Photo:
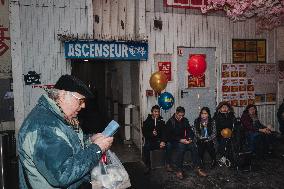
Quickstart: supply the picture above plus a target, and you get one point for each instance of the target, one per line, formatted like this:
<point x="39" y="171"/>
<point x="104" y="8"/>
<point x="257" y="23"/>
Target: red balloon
<point x="196" y="65"/>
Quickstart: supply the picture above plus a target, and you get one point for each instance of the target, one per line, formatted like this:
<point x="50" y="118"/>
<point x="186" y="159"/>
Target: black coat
<point x="177" y="130"/>
<point x="149" y="126"/>
<point x="224" y="120"/>
<point x="279" y="115"/>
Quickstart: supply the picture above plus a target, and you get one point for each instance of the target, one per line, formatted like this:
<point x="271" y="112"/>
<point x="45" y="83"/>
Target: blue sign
<point x="106" y="50"/>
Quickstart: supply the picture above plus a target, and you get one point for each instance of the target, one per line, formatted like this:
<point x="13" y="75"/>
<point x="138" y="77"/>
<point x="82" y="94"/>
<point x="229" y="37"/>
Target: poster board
<point x="249" y="50"/>
<point x="244" y="84"/>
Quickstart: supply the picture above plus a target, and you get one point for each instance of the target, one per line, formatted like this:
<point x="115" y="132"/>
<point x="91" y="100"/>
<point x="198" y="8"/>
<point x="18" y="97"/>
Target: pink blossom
<point x="268" y="13"/>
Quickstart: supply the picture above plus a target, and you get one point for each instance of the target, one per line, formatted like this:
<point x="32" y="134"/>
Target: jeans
<point x="180" y="150"/>
<point x="149" y="146"/>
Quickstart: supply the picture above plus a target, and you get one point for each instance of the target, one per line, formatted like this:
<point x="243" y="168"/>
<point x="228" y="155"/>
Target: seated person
<point x="180" y="136"/>
<point x="205" y="132"/>
<point x="280" y="117"/>
<point x="224" y="119"/>
<point x="259" y="136"/>
<point x="153" y="130"/>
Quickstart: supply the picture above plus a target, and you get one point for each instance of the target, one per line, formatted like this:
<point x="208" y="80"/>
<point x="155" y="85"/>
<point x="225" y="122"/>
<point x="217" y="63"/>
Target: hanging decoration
<point x="166" y="100"/>
<point x="269" y="13"/>
<point x="158" y="81"/>
<point x="196" y="65"/>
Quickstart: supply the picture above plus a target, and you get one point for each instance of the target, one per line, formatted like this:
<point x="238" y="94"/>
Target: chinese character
<point x="132" y="50"/>
<point x="141" y="50"/>
<point x="3" y="46"/>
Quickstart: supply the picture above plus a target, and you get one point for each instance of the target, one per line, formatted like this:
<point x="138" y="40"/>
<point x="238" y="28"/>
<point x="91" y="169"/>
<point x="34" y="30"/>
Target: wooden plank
<point x="89" y="5"/>
<point x="122" y="18"/>
<point x="106" y="19"/>
<point x="114" y="18"/>
<point x="130" y="19"/>
<point x="98" y="15"/>
<point x="150" y="5"/>
<point x="17" y="67"/>
<point x="141" y="18"/>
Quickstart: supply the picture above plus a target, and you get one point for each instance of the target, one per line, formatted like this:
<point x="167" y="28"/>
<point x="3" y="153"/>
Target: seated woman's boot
<point x="179" y="175"/>
<point x="200" y="172"/>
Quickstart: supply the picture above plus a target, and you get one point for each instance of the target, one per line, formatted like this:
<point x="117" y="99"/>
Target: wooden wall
<point x="181" y="28"/>
<point x="35" y="46"/>
<point x="35" y="25"/>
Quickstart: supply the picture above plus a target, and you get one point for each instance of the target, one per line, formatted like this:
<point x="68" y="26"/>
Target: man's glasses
<point x="81" y="100"/>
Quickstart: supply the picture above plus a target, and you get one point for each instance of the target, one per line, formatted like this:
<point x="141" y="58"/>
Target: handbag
<point x="110" y="174"/>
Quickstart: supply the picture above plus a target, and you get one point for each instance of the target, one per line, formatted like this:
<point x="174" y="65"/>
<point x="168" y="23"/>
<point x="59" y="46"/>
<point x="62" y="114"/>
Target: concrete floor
<point x="268" y="173"/>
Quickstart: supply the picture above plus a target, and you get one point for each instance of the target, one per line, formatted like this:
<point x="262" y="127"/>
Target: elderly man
<point x="53" y="151"/>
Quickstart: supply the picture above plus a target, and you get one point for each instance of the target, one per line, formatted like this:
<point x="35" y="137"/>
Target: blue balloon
<point x="166" y="100"/>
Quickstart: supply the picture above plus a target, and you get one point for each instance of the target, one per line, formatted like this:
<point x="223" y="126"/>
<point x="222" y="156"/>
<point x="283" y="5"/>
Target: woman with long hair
<point x="258" y="135"/>
<point x="205" y="132"/>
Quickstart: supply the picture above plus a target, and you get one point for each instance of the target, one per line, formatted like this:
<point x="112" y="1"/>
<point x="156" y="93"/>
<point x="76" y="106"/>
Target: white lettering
<point x="106" y="50"/>
<point x="92" y="49"/>
<point x="111" y="50"/>
<point x="124" y="50"/>
<point x="78" y="50"/>
<point x="98" y="50"/>
<point x="117" y="50"/>
<point x="70" y="50"/>
<point x="84" y="51"/>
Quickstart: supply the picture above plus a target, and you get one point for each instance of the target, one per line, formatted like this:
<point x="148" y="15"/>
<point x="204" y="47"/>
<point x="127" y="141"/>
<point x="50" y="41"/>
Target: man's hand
<point x="103" y="142"/>
<point x="96" y="136"/>
<point x="185" y="141"/>
<point x="162" y="144"/>
<point x="265" y="131"/>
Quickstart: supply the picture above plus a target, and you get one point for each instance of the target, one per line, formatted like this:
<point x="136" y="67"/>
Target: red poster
<point x="166" y="67"/>
<point x="196" y="81"/>
<point x="187" y="4"/>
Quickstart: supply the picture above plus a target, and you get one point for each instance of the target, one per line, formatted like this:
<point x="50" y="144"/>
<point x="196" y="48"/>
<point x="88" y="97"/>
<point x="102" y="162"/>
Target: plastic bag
<point x="110" y="175"/>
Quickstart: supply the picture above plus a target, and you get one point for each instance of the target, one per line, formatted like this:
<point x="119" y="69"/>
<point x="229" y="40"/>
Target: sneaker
<point x="201" y="173"/>
<point x="169" y="168"/>
<point x="179" y="175"/>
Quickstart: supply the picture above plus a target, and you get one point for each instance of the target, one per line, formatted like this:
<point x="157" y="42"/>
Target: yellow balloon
<point x="226" y="133"/>
<point x="158" y="81"/>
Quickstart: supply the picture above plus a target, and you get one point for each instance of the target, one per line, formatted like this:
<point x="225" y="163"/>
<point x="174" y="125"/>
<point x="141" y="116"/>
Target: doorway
<point x="116" y="88"/>
<point x="193" y="98"/>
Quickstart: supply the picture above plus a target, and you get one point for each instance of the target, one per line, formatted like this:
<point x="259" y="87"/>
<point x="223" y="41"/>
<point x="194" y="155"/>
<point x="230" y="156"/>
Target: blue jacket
<point x="52" y="155"/>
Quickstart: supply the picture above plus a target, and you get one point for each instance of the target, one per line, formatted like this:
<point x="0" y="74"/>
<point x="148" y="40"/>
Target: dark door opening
<point x="93" y="118"/>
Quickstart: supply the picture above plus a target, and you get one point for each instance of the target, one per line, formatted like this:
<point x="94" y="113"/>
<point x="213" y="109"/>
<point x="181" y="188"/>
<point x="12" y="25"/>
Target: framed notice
<point x="166" y="67"/>
<point x="249" y="50"/>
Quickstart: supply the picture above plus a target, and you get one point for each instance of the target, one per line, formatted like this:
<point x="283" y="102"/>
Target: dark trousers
<point x="225" y="148"/>
<point x="206" y="146"/>
<point x="180" y="150"/>
<point x="149" y="146"/>
<point x="260" y="143"/>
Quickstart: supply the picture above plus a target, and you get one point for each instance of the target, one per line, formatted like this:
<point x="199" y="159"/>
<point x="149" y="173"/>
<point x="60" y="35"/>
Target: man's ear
<point x="61" y="95"/>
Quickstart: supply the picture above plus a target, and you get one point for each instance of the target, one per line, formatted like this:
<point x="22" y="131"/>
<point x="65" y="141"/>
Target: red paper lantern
<point x="196" y="65"/>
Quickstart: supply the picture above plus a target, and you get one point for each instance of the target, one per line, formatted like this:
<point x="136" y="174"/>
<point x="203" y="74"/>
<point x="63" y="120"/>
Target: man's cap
<point x="73" y="84"/>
